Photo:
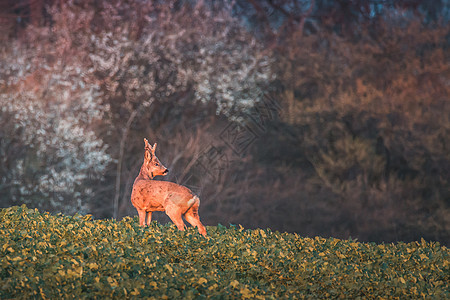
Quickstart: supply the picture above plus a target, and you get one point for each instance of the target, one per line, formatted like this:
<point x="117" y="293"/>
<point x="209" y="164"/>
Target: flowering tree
<point x="190" y="49"/>
<point x="50" y="153"/>
<point x="100" y="66"/>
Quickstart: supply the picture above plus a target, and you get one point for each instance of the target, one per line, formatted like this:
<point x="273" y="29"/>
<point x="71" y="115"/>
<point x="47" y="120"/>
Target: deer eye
<point x="156" y="164"/>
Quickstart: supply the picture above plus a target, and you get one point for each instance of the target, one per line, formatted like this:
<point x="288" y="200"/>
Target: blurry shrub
<point x="373" y="118"/>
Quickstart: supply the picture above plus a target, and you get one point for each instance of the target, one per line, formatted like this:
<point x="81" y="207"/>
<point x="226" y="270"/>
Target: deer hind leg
<point x="194" y="219"/>
<point x="149" y="218"/>
<point x="141" y="214"/>
<point x="175" y="215"/>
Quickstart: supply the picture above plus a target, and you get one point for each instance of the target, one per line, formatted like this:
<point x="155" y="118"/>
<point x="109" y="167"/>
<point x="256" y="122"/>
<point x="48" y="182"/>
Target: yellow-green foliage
<point x="43" y="255"/>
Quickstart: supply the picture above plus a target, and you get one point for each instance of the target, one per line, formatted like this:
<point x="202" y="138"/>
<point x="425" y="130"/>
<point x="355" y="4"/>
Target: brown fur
<point x="150" y="195"/>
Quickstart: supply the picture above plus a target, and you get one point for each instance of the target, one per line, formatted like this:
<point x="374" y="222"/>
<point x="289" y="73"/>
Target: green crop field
<point x="55" y="257"/>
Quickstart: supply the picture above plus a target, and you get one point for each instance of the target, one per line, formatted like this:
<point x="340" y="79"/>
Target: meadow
<point x="58" y="256"/>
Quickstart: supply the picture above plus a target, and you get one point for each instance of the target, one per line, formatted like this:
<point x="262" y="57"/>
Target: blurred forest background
<point x="325" y="117"/>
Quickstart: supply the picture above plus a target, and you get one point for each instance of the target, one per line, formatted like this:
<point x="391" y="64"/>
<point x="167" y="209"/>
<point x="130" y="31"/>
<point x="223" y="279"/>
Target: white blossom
<point x="53" y="109"/>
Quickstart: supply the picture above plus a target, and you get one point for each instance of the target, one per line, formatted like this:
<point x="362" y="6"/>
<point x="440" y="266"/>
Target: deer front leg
<point x="141" y="214"/>
<point x="149" y="218"/>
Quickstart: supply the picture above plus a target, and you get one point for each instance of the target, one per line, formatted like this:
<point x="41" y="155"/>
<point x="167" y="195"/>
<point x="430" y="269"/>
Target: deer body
<point x="150" y="195"/>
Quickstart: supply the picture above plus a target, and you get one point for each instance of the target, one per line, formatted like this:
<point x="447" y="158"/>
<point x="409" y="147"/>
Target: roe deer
<point x="150" y="195"/>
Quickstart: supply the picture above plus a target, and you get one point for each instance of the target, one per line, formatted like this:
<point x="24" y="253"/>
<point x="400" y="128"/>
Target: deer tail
<point x="194" y="200"/>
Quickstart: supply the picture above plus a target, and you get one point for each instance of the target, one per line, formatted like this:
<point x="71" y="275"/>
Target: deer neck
<point x="144" y="174"/>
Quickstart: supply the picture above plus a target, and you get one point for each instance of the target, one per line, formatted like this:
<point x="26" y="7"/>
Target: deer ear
<point x="154" y="148"/>
<point x="147" y="155"/>
<point x="146" y="143"/>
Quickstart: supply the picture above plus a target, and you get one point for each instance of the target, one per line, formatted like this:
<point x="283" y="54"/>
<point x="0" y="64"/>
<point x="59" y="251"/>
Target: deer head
<point x="152" y="166"/>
